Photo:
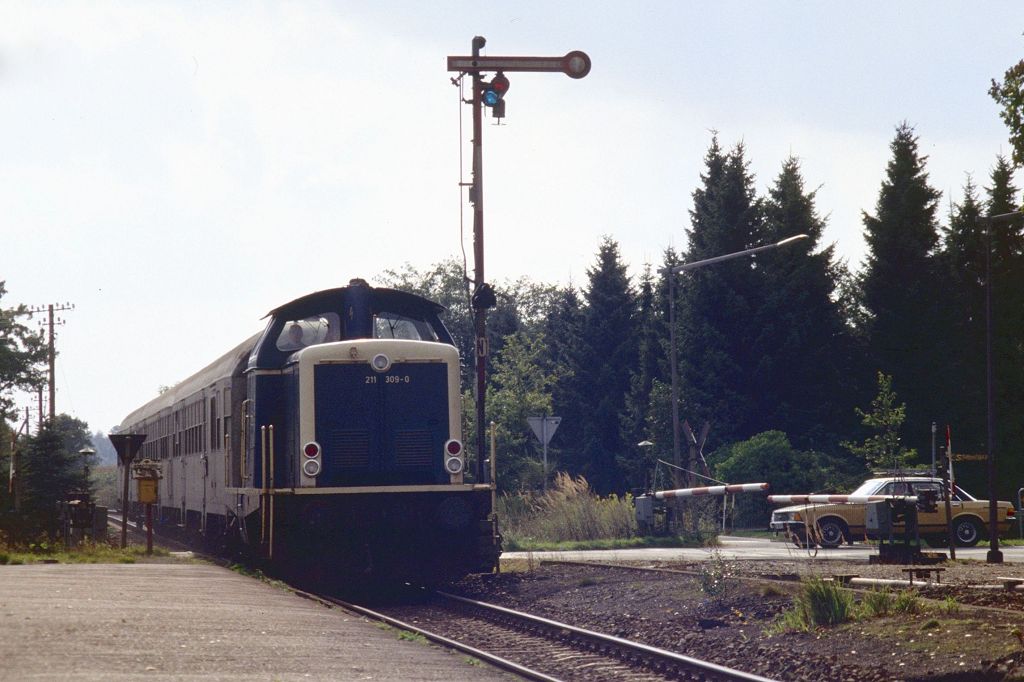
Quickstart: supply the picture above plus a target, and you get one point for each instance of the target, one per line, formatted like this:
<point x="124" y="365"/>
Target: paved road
<point x="750" y="548"/>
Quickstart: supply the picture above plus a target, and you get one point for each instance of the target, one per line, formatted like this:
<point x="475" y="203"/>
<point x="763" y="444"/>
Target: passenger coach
<point x="329" y="444"/>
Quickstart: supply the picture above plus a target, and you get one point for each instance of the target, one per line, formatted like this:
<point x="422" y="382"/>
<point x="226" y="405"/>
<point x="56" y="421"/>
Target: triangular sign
<point x="127" y="445"/>
<point x="544" y="427"/>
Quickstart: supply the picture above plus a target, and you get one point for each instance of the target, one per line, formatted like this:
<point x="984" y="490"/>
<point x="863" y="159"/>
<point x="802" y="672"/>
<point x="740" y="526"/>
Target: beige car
<point x="833" y="524"/>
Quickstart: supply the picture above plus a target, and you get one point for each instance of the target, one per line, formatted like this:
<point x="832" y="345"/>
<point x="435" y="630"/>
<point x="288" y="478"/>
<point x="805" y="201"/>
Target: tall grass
<point x="568" y="511"/>
<point x="819" y="603"/>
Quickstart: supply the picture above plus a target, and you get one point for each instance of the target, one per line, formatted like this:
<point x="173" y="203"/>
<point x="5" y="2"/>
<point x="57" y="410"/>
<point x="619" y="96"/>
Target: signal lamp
<point x="494" y="94"/>
<point x="453" y="465"/>
<point x="453" y="447"/>
<point x="311" y="467"/>
<point x="311" y="449"/>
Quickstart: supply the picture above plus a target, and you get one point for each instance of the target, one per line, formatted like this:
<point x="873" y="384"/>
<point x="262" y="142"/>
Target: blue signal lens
<point x="491" y="98"/>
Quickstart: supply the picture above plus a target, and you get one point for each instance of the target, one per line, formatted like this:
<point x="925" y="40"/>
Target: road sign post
<point x="574" y="64"/>
<point x="544" y="428"/>
<point x="127" y="446"/>
<point x="148" y="474"/>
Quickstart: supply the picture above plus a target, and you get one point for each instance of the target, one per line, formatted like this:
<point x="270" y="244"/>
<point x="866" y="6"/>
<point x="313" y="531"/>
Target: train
<point x="329" y="445"/>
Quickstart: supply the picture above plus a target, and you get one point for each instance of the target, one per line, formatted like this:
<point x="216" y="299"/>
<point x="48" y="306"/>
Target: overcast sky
<point x="178" y="169"/>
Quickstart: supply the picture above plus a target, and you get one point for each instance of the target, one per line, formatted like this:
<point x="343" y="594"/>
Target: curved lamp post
<point x="671" y="274"/>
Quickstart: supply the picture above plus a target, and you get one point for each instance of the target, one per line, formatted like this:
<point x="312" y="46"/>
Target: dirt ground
<point x="714" y="614"/>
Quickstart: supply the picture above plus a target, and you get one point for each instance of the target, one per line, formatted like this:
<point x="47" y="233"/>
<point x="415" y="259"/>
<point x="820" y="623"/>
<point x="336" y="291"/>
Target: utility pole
<point x="575" y="64"/>
<point x="52" y="321"/>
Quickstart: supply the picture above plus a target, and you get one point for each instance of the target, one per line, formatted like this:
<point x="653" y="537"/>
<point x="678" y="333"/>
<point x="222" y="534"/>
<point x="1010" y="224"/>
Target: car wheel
<point x="831" y="533"/>
<point x="967" y="531"/>
<point x="799" y="538"/>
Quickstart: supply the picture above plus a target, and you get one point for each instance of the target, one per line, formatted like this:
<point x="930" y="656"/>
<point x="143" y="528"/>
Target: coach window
<point x="214" y="424"/>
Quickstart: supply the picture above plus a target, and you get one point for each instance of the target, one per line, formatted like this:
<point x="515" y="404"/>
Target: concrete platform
<point x="176" y="621"/>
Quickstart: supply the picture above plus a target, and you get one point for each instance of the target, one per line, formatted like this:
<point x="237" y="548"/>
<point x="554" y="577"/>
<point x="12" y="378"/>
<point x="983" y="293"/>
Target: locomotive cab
<point x="330" y="444"/>
<point x="354" y="406"/>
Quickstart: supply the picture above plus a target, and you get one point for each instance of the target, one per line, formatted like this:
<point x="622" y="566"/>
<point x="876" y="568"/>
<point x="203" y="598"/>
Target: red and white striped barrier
<point x="837" y="499"/>
<point x="712" y="490"/>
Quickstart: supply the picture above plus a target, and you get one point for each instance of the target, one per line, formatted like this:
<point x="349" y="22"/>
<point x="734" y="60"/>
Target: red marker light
<point x="453" y="447"/>
<point x="311" y="449"/>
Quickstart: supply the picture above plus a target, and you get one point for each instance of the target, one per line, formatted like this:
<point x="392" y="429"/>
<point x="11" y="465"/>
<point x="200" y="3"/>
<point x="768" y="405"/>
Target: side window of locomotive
<point x="310" y="331"/>
<point x="395" y="326"/>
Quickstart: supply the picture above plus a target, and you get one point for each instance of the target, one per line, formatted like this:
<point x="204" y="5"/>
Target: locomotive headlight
<point x="380" y="362"/>
<point x="311" y="467"/>
<point x="453" y="465"/>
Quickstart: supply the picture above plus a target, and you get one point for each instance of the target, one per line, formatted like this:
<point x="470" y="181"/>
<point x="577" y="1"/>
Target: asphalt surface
<point x="179" y="621"/>
<point x="731" y="547"/>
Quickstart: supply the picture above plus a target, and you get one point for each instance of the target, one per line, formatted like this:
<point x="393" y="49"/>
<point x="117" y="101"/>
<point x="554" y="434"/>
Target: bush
<point x="819" y="603"/>
<point x="568" y="511"/>
<point x="769" y="457"/>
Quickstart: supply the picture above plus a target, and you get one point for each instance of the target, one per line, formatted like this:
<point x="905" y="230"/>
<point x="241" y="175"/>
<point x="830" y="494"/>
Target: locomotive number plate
<point x="391" y="379"/>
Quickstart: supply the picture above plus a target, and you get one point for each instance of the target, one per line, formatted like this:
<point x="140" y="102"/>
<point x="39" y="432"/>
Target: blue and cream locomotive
<point x="330" y="443"/>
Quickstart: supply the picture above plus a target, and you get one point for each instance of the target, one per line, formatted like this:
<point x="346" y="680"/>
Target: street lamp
<point x="86" y="453"/>
<point x="671" y="274"/>
<point x="994" y="556"/>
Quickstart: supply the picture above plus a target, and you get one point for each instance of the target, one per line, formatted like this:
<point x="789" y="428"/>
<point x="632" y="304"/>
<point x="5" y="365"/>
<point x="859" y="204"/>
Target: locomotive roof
<point x="218" y="369"/>
<point x="387" y="299"/>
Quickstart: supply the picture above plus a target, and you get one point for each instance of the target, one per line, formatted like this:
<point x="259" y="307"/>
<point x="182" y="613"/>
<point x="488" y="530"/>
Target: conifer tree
<point x="899" y="284"/>
<point x="52" y="467"/>
<point x="717" y="304"/>
<point x="635" y="461"/>
<point x="804" y="378"/>
<point x="1007" y="320"/>
<point x="563" y="330"/>
<point x="963" y="330"/>
<point x="608" y="348"/>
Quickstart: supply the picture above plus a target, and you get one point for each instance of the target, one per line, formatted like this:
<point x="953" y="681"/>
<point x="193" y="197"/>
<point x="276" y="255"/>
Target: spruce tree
<point x="899" y="285"/>
<point x="637" y="462"/>
<point x="804" y="372"/>
<point x="608" y="348"/>
<point x="962" y="280"/>
<point x="717" y="304"/>
<point x="563" y="331"/>
<point x="1007" y="320"/>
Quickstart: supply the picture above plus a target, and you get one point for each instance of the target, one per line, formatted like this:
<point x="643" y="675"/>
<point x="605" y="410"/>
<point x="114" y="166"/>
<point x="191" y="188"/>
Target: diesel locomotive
<point x="329" y="444"/>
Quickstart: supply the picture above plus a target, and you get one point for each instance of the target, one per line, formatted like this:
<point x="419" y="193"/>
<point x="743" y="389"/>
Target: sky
<point x="176" y="170"/>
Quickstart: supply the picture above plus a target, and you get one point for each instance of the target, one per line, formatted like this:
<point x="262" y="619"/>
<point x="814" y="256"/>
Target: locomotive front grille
<point x="348" y="449"/>
<point x="414" y="449"/>
<point x="381" y="428"/>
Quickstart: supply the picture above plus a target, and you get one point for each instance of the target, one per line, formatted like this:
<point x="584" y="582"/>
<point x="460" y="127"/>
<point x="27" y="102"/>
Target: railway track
<point x="539" y="648"/>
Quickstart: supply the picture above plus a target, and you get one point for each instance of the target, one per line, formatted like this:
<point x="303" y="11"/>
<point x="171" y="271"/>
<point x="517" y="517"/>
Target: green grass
<point x="86" y="553"/>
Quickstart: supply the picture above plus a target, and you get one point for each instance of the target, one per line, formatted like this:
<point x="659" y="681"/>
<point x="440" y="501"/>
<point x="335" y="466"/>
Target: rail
<point x="706" y="669"/>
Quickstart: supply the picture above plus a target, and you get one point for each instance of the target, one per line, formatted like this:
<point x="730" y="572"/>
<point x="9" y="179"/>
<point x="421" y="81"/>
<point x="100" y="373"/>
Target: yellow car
<point x="833" y="524"/>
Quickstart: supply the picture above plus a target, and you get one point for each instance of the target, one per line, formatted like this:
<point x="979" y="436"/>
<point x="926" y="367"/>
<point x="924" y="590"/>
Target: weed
<point x="948" y="606"/>
<point x="931" y="624"/>
<point x="407" y="636"/>
<point x="4" y="558"/>
<point x="906" y="602"/>
<point x="877" y="603"/>
<point x="819" y="603"/>
<point x="715" y="576"/>
<point x="588" y="582"/>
